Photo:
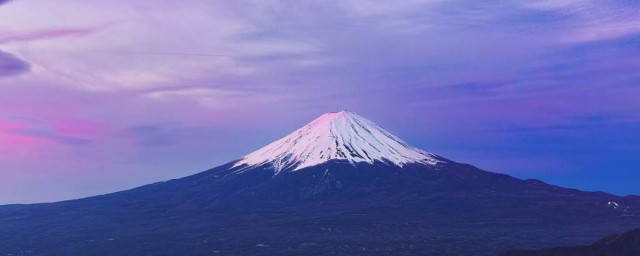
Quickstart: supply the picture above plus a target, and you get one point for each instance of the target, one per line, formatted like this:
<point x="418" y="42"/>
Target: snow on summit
<point x="340" y="135"/>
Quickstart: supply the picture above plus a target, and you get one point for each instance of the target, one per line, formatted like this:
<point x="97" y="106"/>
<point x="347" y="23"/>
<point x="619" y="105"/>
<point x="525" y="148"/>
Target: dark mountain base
<point x="332" y="209"/>
<point x="291" y="234"/>
<point x="627" y="244"/>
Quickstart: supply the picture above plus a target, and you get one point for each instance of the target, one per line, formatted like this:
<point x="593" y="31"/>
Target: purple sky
<point x="98" y="96"/>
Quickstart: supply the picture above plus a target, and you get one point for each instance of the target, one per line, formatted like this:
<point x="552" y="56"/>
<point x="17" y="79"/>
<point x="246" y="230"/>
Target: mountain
<point x="337" y="136"/>
<point x="626" y="244"/>
<point x="340" y="185"/>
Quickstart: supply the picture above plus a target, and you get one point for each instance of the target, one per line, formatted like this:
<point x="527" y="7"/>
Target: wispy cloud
<point x="155" y="135"/>
<point x="34" y="128"/>
<point x="52" y="33"/>
<point x="591" y="20"/>
<point x="205" y="96"/>
<point x="51" y="136"/>
<point x="10" y="65"/>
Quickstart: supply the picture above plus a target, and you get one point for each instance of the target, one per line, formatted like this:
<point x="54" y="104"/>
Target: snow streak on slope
<point x="337" y="135"/>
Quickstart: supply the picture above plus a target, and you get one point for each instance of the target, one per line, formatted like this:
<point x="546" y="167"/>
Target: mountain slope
<point x="380" y="196"/>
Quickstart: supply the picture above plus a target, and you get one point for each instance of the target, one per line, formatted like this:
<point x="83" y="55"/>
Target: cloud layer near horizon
<point x="123" y="93"/>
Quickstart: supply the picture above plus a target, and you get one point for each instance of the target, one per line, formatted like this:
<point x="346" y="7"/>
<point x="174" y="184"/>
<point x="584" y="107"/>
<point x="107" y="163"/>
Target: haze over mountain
<point x="339" y="185"/>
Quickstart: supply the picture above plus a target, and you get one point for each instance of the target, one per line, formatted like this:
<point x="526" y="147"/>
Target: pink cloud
<point x="13" y="141"/>
<point x="80" y="127"/>
<point x="52" y="33"/>
<point x="28" y="132"/>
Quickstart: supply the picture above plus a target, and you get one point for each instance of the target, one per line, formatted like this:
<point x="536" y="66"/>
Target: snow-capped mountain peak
<point x="340" y="135"/>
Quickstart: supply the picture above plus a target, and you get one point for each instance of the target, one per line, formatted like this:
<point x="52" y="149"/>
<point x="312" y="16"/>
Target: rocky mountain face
<point x="340" y="185"/>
